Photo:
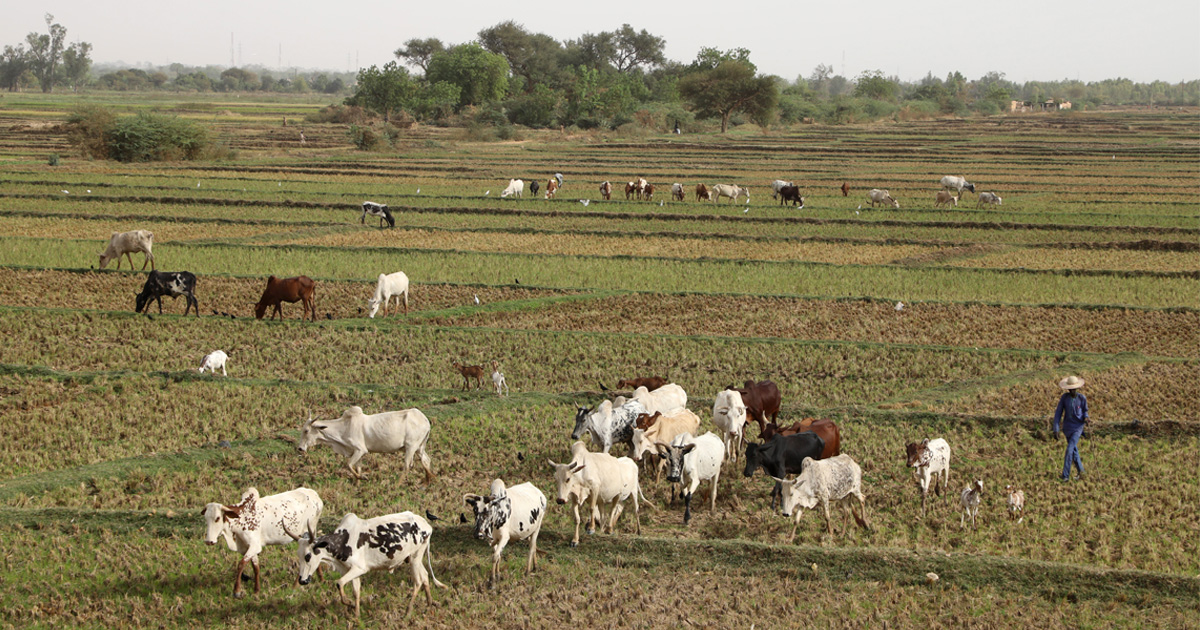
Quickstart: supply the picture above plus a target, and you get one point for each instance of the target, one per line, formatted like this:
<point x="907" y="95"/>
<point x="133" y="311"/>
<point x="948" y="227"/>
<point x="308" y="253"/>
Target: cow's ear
<point x="688" y="448"/>
<point x="320" y="545"/>
<point x="229" y="513"/>
<point x="578" y="468"/>
<point x="319" y="427"/>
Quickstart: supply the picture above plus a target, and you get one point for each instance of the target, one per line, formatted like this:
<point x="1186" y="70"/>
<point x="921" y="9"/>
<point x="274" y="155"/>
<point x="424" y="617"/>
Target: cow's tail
<point x="429" y="561"/>
<point x="643" y="498"/>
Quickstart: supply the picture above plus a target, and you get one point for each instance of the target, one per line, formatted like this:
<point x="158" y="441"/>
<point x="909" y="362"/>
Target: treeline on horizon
<point x="511" y="76"/>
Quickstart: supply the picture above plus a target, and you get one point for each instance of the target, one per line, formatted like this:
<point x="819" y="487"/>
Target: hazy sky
<point x="1025" y="39"/>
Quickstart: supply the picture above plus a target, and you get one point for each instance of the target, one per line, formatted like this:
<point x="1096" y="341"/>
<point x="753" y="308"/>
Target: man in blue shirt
<point x="1072" y="411"/>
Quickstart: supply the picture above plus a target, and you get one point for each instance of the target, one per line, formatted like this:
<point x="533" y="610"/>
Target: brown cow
<point x="551" y="188"/>
<point x="825" y="429"/>
<point x="648" y="192"/>
<point x="761" y="399"/>
<point x="651" y="383"/>
<point x="845" y="189"/>
<point x="630" y="190"/>
<point x="290" y="290"/>
<point x="606" y="191"/>
<point x="702" y="193"/>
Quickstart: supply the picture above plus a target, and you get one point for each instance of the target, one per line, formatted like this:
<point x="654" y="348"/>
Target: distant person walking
<point x="1072" y="411"/>
<point x="677" y="132"/>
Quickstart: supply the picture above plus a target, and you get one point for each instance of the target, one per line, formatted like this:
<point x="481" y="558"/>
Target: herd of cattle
<point x="653" y="422"/>
<point x="784" y="191"/>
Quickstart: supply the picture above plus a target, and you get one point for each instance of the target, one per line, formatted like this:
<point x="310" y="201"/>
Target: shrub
<point x="88" y="127"/>
<point x="53" y="161"/>
<point x="365" y="138"/>
<point x="148" y="137"/>
<point x="339" y="114"/>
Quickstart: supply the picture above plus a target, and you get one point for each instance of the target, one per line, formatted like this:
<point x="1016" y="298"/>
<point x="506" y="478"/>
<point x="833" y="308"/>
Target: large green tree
<point x="633" y="48"/>
<point x="418" y="52"/>
<point x="45" y="52"/>
<point x="76" y="64"/>
<point x="481" y="76"/>
<point x="384" y="90"/>
<point x="14" y="61"/>
<point x="730" y="87"/>
<point x="534" y="57"/>
<point x="874" y="85"/>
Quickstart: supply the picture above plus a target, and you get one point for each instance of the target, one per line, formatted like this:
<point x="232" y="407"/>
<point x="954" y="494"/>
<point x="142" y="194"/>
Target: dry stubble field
<point x="1089" y="267"/>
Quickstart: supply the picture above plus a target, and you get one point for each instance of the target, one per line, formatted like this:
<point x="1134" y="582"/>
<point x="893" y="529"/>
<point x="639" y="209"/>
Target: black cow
<point x="792" y="194"/>
<point x="533" y="187"/>
<point x="782" y="456"/>
<point x="377" y="210"/>
<point x="170" y="283"/>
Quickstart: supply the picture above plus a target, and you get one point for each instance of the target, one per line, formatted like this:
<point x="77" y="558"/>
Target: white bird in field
<point x="477" y="298"/>
<point x="585" y="202"/>
<point x="860" y="206"/>
<point x="197" y="184"/>
<point x="418" y="191"/>
<point x="280" y="184"/>
<point x="746" y="210"/>
<point x="65" y="192"/>
<point x="899" y="306"/>
<point x="487" y="193"/>
<point x="89" y="191"/>
<point x="660" y="204"/>
<point x="857" y="212"/>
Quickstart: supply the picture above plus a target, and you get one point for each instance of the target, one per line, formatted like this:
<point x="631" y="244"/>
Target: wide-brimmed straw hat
<point x="1071" y="382"/>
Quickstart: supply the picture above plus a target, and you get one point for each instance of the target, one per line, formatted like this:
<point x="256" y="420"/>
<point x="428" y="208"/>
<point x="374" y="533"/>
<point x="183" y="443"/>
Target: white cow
<point x="821" y="481"/>
<point x="516" y="188"/>
<point x="692" y="460"/>
<point x="514" y="513"/>
<point x="957" y="184"/>
<point x="931" y="458"/>
<point x="608" y="424"/>
<point x="732" y="191"/>
<point x="777" y="186"/>
<point x="667" y="400"/>
<point x="356" y="434"/>
<point x="991" y="199"/>
<point x="377" y="210"/>
<point x="357" y="547"/>
<point x="677" y="192"/>
<point x="259" y="521"/>
<point x="729" y="415"/>
<point x="882" y="196"/>
<point x="598" y="478"/>
<point x="388" y="286"/>
<point x="125" y="244"/>
<point x="214" y="360"/>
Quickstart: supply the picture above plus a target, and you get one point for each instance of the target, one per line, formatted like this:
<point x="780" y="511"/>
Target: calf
<point x="703" y="193"/>
<point x="290" y="290"/>
<point x="783" y="456"/>
<point x="651" y="383"/>
<point x="945" y="198"/>
<point x="498" y="379"/>
<point x="639" y="185"/>
<point x="837" y="479"/>
<point x="169" y="283"/>
<point x="357" y="547"/>
<point x="597" y="477"/>
<point x="606" y="191"/>
<point x="534" y="186"/>
<point x="991" y="199"/>
<point x="213" y="361"/>
<point x="729" y="415"/>
<point x="377" y="210"/>
<point x="259" y="521"/>
<point x="931" y="458"/>
<point x="1016" y="503"/>
<point x="792" y="194"/>
<point x="388" y="286"/>
<point x="355" y="434"/>
<point x="516" y="188"/>
<point x="514" y="513"/>
<point x="692" y="460"/>
<point x="551" y="189"/>
<point x="469" y="372"/>
<point x="125" y="244"/>
<point x="677" y="192"/>
<point x="630" y="190"/>
<point x="648" y="192"/>
<point x="882" y="196"/>
<point x="972" y="496"/>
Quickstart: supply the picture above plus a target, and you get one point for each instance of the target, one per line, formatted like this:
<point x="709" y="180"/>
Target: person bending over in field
<point x="1073" y="412"/>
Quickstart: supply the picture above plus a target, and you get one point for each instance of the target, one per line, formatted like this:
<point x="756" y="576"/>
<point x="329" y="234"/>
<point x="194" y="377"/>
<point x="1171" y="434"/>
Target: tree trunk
<point x="725" y="122"/>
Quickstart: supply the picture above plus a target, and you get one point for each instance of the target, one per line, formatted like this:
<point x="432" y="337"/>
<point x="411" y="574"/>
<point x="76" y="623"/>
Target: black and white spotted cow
<point x="377" y="210"/>
<point x="360" y="546"/>
<point x="514" y="513"/>
<point x="608" y="425"/>
<point x="169" y="283"/>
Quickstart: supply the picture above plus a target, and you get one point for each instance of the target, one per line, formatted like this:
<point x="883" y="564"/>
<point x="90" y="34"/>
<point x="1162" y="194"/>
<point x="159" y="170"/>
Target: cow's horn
<point x="289" y="533"/>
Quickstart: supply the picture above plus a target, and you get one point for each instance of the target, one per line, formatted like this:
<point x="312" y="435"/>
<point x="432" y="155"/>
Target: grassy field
<point x="1090" y="267"/>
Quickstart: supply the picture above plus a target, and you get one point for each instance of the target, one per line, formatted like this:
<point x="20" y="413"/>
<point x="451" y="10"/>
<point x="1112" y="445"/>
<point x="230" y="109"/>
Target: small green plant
<point x="53" y="161"/>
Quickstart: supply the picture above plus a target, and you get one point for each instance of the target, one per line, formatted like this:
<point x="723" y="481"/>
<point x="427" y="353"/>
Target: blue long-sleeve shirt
<point x="1072" y="411"/>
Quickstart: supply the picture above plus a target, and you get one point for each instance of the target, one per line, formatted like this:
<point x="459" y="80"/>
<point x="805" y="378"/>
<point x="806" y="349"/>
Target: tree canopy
<point x="730" y="87"/>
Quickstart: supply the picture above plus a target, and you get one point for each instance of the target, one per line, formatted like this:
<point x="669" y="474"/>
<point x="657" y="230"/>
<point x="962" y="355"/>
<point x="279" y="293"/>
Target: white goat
<point x="498" y="379"/>
<point x="213" y="361"/>
<point x="972" y="496"/>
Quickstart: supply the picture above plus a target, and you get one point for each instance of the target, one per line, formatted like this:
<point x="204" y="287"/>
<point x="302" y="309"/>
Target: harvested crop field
<point x="898" y="325"/>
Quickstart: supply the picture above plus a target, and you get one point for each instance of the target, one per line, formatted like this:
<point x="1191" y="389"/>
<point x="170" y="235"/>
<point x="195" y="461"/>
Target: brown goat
<point x="290" y="290"/>
<point x="469" y="372"/>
